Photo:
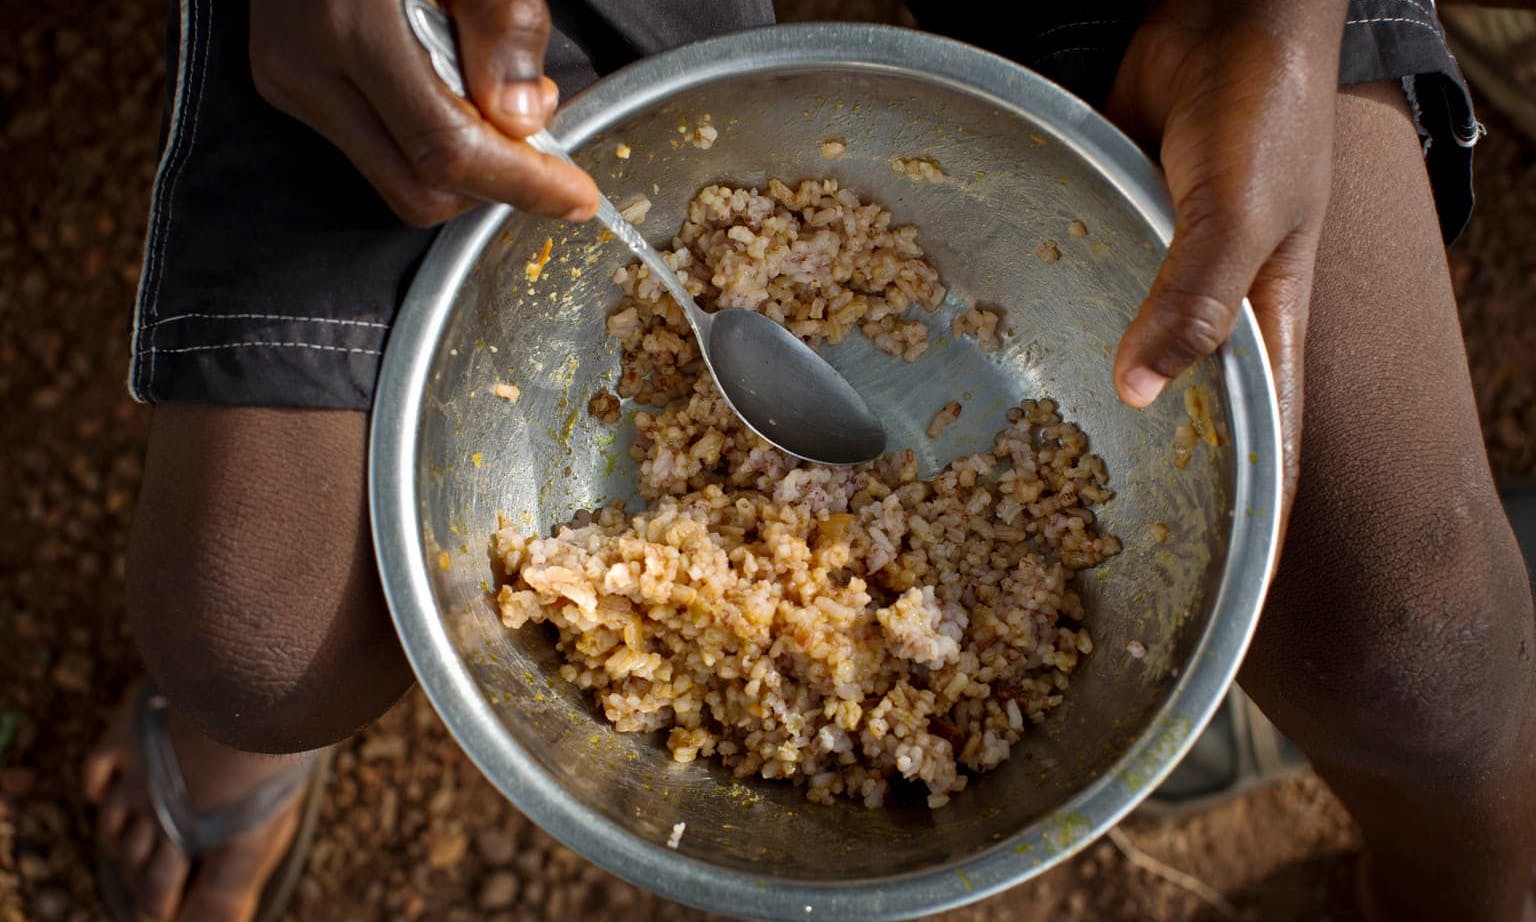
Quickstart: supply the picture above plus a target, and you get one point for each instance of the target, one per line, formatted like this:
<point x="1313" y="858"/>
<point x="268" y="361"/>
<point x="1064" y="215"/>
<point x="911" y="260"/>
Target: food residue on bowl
<point x="980" y="324"/>
<point x="1199" y="427"/>
<point x="535" y="267"/>
<point x="947" y="414"/>
<point x="622" y="151"/>
<point x="508" y="392"/>
<point x="636" y="210"/>
<point x="1158" y="532"/>
<point x="1048" y="251"/>
<point x="704" y="134"/>
<point x="676" y="838"/>
<point x="833" y="149"/>
<point x="1077" y="229"/>
<point x="919" y="169"/>
<point x="605" y="407"/>
<point x="895" y="335"/>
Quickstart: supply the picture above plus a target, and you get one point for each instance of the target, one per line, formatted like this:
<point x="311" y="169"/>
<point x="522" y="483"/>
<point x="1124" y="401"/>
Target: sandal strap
<point x="193" y="832"/>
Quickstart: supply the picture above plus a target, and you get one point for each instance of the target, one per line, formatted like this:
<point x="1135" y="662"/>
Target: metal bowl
<point x="1023" y="158"/>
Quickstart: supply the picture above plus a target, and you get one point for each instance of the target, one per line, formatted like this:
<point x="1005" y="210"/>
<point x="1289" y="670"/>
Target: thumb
<point x="502" y="43"/>
<point x="1193" y="302"/>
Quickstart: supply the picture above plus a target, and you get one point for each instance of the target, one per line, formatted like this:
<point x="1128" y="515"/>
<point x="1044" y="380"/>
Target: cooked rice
<point x="704" y="134"/>
<point x="981" y="324"/>
<point x="605" y="407"/>
<point x="947" y="414"/>
<point x="840" y="627"/>
<point x="919" y="169"/>
<point x="636" y="211"/>
<point x="814" y="258"/>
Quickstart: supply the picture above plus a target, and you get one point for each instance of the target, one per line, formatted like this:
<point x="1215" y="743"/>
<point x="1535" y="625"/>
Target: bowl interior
<point x="1012" y="183"/>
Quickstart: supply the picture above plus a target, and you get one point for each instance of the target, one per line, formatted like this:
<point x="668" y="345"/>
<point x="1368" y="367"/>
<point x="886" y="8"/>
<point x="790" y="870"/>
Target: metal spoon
<point x="777" y="384"/>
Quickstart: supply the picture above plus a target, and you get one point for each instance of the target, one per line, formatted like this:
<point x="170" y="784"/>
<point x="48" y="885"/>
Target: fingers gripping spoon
<point x="774" y="382"/>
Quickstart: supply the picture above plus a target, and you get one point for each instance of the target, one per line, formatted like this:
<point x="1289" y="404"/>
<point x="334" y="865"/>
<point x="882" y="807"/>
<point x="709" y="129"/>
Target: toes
<point x="161" y="881"/>
<point x="221" y="893"/>
<point x="229" y="882"/>
<point x="138" y="840"/>
<point x="105" y="759"/>
<point x="110" y="820"/>
<point x="97" y="773"/>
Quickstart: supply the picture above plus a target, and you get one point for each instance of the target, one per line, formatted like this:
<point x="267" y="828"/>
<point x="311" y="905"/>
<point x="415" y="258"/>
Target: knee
<point x="251" y="585"/>
<point x="1405" y="648"/>
<point x="265" y="671"/>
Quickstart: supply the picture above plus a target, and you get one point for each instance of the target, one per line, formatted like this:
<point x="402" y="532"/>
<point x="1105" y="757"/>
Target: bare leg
<point x="1397" y="644"/>
<point x="256" y="606"/>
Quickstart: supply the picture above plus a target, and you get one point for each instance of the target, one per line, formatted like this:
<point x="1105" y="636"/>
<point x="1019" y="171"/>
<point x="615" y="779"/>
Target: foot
<point x="227" y="882"/>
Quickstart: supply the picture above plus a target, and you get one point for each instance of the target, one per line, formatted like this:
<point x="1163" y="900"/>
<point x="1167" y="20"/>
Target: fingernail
<point x="1144" y="385"/>
<point x="579" y="213"/>
<point x="522" y="101"/>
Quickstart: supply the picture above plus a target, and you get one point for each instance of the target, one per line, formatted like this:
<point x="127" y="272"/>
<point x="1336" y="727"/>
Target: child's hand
<point x="351" y="70"/>
<point x="1237" y="97"/>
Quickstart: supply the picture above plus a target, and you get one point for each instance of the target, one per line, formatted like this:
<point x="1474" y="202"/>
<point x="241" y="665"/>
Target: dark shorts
<point x="272" y="272"/>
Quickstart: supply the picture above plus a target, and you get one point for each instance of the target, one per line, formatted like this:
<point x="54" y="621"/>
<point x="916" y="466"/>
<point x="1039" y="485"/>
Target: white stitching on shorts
<point x="1061" y="51"/>
<point x="1083" y="25"/>
<point x="1478" y="130"/>
<point x="170" y="198"/>
<point x="245" y="345"/>
<point x="167" y="160"/>
<point x="346" y="323"/>
<point x="1417" y="22"/>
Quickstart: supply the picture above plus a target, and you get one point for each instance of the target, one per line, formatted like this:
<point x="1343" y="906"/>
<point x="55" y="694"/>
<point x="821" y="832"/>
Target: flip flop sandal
<point x="1238" y="751"/>
<point x="198" y="834"/>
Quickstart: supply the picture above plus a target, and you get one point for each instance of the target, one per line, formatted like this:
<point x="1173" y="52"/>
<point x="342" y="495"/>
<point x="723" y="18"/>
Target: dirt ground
<point x="410" y="830"/>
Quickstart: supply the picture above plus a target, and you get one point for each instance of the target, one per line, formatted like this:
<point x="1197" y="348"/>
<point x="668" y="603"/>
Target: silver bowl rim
<point x="1049" y="840"/>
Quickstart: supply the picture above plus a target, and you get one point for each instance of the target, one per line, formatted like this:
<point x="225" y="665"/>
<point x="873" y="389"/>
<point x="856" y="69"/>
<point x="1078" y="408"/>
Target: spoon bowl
<point x="806" y="411"/>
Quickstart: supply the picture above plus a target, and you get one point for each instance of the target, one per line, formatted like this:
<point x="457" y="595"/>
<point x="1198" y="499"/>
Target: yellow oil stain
<point x="1170" y="735"/>
<point x="1066" y="830"/>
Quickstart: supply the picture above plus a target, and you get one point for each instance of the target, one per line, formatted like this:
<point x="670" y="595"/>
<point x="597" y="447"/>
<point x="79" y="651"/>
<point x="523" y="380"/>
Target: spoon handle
<point x="434" y="31"/>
